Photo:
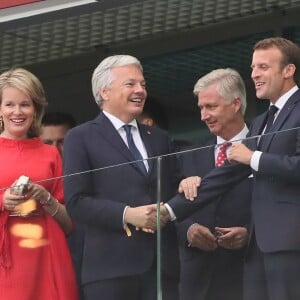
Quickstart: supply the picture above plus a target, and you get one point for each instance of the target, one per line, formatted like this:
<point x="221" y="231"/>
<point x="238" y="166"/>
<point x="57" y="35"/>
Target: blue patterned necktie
<point x="133" y="149"/>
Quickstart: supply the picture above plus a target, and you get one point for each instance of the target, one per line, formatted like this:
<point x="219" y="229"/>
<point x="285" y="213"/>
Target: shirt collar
<point x="285" y="97"/>
<point x="117" y="123"/>
<point x="237" y="138"/>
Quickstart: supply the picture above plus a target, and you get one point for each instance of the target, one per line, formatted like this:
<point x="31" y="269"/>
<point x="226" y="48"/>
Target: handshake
<point x="145" y="217"/>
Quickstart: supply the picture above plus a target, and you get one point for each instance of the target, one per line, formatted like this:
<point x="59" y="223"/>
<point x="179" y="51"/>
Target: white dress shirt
<point x="254" y="162"/>
<point x="118" y="124"/>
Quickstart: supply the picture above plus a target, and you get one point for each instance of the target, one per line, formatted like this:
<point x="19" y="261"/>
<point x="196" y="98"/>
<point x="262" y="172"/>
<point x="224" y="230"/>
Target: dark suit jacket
<point x="201" y="270"/>
<point x="276" y="186"/>
<point x="96" y="196"/>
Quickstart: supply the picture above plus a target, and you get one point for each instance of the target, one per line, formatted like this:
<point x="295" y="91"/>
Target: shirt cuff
<point x="171" y="212"/>
<point x="254" y="162"/>
<point x="124" y="224"/>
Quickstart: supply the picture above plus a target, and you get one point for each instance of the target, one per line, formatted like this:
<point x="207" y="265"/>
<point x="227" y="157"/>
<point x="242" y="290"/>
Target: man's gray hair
<point x="102" y="77"/>
<point x="229" y="82"/>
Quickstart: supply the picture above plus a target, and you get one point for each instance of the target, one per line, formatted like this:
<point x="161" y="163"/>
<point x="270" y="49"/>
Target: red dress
<point x="35" y="263"/>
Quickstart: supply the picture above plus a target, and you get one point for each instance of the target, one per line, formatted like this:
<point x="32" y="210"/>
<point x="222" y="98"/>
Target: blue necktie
<point x="270" y="119"/>
<point x="133" y="149"/>
<point x="269" y="123"/>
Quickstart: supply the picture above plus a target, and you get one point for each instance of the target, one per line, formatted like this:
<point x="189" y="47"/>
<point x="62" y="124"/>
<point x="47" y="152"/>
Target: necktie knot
<point x="273" y="109"/>
<point x="127" y="128"/>
<point x="222" y="156"/>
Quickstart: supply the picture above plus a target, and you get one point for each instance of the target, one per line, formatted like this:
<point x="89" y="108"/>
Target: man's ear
<point x="237" y="104"/>
<point x="289" y="71"/>
<point x="104" y="93"/>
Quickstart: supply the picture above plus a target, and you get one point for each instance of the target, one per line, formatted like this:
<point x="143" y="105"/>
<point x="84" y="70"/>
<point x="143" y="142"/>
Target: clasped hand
<point x="145" y="217"/>
<point x="35" y="191"/>
<point x="201" y="237"/>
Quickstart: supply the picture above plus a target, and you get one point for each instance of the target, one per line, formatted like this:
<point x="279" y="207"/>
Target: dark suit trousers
<point x="136" y="287"/>
<point x="271" y="276"/>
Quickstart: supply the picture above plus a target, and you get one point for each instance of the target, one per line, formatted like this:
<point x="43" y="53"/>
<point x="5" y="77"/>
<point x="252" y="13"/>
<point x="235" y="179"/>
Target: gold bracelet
<point x="56" y="210"/>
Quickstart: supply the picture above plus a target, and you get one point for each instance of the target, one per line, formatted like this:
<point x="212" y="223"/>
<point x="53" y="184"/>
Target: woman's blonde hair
<point x="29" y="84"/>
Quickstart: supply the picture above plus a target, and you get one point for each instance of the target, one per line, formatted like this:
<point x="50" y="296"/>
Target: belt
<point x="29" y="215"/>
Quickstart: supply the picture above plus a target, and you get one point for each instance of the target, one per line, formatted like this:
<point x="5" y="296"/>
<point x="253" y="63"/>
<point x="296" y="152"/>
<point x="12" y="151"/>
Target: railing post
<point x="158" y="236"/>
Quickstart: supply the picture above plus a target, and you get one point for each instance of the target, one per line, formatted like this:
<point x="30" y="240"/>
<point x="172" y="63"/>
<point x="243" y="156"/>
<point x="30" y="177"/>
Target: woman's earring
<point x="1" y="123"/>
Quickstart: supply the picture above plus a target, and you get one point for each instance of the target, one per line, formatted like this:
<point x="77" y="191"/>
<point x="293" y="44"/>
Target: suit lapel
<point x="210" y="161"/>
<point x="112" y="136"/>
<point x="281" y="118"/>
<point x="255" y="131"/>
<point x="146" y="135"/>
<point x="201" y="154"/>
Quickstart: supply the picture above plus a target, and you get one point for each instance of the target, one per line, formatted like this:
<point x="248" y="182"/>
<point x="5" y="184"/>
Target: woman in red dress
<point x="35" y="263"/>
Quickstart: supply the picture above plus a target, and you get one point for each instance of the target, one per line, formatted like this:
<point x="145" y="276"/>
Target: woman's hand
<point x="11" y="199"/>
<point x="37" y="192"/>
